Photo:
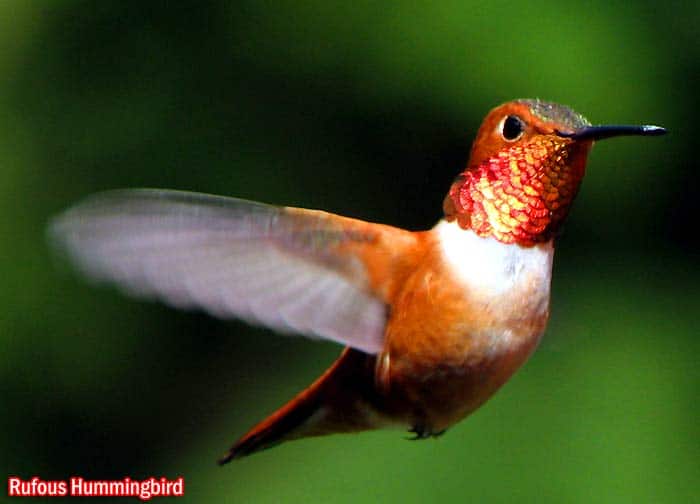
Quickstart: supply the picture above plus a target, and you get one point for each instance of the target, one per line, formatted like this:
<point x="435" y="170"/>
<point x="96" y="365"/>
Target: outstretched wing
<point x="293" y="270"/>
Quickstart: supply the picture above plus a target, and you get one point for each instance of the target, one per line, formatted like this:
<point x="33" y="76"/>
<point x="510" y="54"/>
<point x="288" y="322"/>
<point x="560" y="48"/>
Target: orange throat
<point x="520" y="195"/>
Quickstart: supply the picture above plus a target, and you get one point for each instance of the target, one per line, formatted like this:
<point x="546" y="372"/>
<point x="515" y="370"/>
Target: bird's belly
<point x="439" y="384"/>
<point x="454" y="339"/>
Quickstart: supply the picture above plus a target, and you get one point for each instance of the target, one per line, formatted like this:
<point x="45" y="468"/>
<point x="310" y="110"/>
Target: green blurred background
<point x="366" y="110"/>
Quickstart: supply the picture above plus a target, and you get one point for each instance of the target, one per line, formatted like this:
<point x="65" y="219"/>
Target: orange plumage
<point x="434" y="322"/>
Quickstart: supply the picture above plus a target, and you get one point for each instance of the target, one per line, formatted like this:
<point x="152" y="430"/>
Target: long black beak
<point x="601" y="132"/>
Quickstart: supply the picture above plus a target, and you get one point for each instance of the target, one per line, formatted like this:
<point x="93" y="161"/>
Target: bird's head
<point x="525" y="168"/>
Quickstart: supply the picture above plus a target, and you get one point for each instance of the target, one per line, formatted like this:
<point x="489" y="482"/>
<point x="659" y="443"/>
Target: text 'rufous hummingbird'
<point x="434" y="322"/>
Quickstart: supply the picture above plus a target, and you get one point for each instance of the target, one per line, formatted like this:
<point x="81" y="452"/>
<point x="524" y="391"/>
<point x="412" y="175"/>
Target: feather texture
<point x="293" y="270"/>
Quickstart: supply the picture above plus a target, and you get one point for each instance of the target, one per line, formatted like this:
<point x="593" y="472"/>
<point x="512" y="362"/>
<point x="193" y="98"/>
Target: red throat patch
<point x="522" y="194"/>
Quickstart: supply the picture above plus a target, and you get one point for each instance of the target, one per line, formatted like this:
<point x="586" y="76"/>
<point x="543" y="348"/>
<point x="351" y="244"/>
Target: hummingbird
<point x="433" y="322"/>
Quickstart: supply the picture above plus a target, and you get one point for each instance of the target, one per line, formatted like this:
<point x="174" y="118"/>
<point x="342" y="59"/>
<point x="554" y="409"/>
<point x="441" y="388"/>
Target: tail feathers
<point x="276" y="428"/>
<point x="332" y="391"/>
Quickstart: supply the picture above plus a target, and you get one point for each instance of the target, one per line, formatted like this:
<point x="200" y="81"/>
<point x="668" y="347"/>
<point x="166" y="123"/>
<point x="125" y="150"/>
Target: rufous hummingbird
<point x="434" y="322"/>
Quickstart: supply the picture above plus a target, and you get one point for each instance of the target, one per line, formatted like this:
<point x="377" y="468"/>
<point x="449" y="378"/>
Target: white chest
<point x="510" y="282"/>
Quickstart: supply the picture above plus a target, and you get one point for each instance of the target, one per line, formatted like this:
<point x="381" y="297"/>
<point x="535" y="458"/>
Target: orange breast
<point x="448" y="348"/>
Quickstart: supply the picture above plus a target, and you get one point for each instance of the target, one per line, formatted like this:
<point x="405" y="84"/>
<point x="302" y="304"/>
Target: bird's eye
<point x="512" y="128"/>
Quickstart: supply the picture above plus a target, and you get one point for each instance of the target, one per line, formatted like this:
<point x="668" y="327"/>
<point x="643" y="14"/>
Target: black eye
<point x="513" y="128"/>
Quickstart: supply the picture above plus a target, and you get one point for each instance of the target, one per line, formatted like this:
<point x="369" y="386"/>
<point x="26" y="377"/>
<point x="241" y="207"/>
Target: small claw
<point x="420" y="433"/>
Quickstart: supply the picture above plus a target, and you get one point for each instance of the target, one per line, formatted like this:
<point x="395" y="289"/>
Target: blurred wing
<point x="289" y="269"/>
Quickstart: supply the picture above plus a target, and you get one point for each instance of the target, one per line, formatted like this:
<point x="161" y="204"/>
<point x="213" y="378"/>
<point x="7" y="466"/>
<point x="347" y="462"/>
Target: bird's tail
<point x="338" y="401"/>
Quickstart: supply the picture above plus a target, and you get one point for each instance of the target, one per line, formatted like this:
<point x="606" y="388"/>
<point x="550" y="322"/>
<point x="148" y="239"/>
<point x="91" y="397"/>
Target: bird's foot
<point x="423" y="432"/>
